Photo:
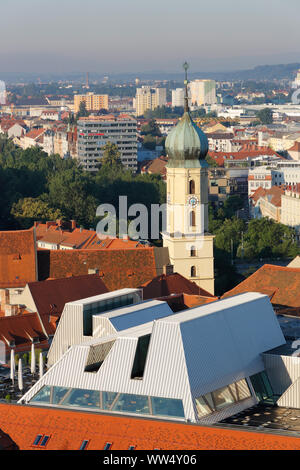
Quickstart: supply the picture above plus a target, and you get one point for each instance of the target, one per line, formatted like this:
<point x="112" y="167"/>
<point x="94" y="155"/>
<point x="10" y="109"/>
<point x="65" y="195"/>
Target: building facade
<point x="149" y="98"/>
<point x="92" y="102"/>
<point x="95" y="132"/>
<point x="202" y="92"/>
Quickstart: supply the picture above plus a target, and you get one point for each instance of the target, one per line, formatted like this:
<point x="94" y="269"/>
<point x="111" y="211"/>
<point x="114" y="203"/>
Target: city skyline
<point x="129" y="37"/>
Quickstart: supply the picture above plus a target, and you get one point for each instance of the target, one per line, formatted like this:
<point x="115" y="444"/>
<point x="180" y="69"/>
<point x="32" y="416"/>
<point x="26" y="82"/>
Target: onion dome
<point x="186" y="145"/>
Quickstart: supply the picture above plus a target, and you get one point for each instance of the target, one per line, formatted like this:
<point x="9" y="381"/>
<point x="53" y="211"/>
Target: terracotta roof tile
<point x="51" y="296"/>
<point x="17" y="258"/>
<point x="117" y="268"/>
<point x="165" y="285"/>
<point x="280" y="283"/>
<point x="67" y="430"/>
<point x="21" y="329"/>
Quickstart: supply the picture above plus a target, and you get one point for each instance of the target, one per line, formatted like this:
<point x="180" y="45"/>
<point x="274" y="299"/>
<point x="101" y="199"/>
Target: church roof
<point x="186" y="145"/>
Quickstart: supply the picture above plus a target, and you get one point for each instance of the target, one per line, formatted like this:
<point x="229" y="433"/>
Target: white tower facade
<point x="186" y="236"/>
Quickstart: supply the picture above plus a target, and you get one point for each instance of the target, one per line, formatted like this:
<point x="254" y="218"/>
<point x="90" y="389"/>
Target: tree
<point x="83" y="112"/>
<point x="29" y="209"/>
<point x="111" y="156"/>
<point x="151" y="128"/>
<point x="265" y="116"/>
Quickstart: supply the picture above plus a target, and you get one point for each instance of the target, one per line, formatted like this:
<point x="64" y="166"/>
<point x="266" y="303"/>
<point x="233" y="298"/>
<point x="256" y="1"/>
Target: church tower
<point x="186" y="235"/>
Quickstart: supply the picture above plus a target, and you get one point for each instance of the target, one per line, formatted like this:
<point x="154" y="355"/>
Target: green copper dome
<point x="186" y="145"/>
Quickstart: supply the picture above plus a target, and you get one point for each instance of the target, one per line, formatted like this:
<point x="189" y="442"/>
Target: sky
<point x="117" y="36"/>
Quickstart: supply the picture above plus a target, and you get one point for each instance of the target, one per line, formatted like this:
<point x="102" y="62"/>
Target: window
<point x="37" y="440"/>
<point x="193" y="251"/>
<point x="84" y="445"/>
<point x="192" y="219"/>
<point x="222" y="398"/>
<point x="167" y="407"/>
<point x="131" y="448"/>
<point x="107" y="446"/>
<point x="262" y="386"/>
<point x="44" y="441"/>
<point x="41" y="440"/>
<point x="43" y="396"/>
<point x="108" y="399"/>
<point x="129" y="403"/>
<point x="140" y="357"/>
<point x="193" y="271"/>
<point x="58" y="394"/>
<point x="83" y="398"/>
<point x="192" y="187"/>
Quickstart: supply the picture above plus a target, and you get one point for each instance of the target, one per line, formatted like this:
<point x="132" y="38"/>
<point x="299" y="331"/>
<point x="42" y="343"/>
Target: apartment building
<point x="178" y="97"/>
<point x="202" y="92"/>
<point x="290" y="207"/>
<point x="149" y="98"/>
<point x="279" y="174"/>
<point x="92" y="102"/>
<point x="95" y="132"/>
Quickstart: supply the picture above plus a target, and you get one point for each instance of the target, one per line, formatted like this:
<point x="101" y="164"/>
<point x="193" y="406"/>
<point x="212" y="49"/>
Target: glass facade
<point x="262" y="387"/>
<point x="43" y="396"/>
<point x="104" y="306"/>
<point x="83" y="398"/>
<point x="222" y="398"/>
<point x="167" y="407"/>
<point x="110" y="401"/>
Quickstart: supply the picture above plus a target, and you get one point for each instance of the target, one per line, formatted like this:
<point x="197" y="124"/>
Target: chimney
<point x="73" y="224"/>
<point x="59" y="222"/>
<point x="168" y="269"/>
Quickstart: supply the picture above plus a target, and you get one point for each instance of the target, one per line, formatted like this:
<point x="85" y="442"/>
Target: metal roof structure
<point x="181" y="358"/>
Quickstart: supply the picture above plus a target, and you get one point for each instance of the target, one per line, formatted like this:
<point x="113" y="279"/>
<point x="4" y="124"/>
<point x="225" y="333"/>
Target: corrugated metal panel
<point x="282" y="371"/>
<point x="227" y="346"/>
<point x="165" y="373"/>
<point x="142" y="315"/>
<point x="291" y="398"/>
<point x="68" y="332"/>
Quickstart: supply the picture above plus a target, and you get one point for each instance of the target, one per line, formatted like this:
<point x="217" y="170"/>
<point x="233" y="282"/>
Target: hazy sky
<point x="138" y="35"/>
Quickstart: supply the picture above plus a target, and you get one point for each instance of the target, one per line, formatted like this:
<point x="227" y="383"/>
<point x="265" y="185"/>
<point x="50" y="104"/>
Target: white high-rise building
<point x="202" y="92"/>
<point x="149" y="98"/>
<point x="178" y="97"/>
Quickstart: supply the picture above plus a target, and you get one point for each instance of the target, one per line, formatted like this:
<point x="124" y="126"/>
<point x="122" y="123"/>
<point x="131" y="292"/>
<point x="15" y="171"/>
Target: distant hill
<point x="261" y="72"/>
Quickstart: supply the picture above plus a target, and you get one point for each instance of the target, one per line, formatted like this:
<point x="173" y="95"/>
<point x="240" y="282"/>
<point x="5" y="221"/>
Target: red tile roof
<point x="35" y="133"/>
<point x="17" y="258"/>
<point x="165" y="285"/>
<point x="51" y="296"/>
<point x="179" y="302"/>
<point x="273" y="195"/>
<point x="21" y="329"/>
<point x="221" y="157"/>
<point x="280" y="282"/>
<point x="67" y="430"/>
<point x="117" y="268"/>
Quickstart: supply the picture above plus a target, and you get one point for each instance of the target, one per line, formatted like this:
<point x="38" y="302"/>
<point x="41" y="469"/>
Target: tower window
<point x="193" y="251"/>
<point x="193" y="271"/>
<point x="192" y="187"/>
<point x="192" y="219"/>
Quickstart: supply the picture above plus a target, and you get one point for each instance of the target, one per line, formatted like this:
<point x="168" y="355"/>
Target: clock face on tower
<point x="193" y="201"/>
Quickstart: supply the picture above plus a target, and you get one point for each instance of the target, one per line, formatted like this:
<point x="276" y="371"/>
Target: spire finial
<point x="186" y="99"/>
